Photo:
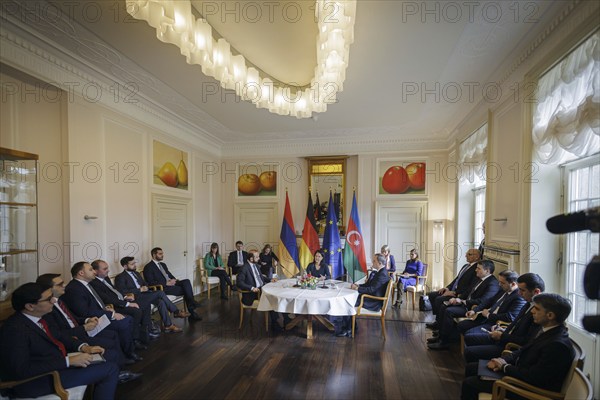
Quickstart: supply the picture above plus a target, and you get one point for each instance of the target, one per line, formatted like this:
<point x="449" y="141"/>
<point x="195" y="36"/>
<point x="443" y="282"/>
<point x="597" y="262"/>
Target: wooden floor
<point x="212" y="359"/>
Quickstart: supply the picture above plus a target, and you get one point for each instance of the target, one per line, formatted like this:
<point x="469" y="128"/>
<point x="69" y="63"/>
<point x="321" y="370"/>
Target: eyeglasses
<point x="50" y="299"/>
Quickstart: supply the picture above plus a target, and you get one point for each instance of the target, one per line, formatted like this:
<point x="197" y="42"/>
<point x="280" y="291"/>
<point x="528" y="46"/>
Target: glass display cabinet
<point x="18" y="223"/>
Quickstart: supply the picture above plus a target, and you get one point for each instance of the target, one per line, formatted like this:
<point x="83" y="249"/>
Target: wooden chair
<point x="579" y="387"/>
<point x="418" y="287"/>
<point x="205" y="279"/>
<point x="363" y="312"/>
<point x="575" y="387"/>
<point x="253" y="306"/>
<point x="75" y="393"/>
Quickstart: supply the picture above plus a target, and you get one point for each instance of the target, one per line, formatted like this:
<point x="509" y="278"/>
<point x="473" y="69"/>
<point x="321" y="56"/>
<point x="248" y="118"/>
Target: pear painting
<point x="170" y="168"/>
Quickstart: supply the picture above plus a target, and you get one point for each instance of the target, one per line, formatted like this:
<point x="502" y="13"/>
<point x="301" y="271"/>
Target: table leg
<point x="325" y="322"/>
<point x="309" y="326"/>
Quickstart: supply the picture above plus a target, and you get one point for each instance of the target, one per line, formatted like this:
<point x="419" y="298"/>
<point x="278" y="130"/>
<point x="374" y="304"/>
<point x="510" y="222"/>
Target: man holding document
<point x="28" y="347"/>
<point x="544" y="361"/>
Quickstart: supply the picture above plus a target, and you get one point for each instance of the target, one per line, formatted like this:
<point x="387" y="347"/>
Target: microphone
<point x="575" y="222"/>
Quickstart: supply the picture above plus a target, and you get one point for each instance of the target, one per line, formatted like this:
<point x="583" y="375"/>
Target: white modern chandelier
<point x="175" y="24"/>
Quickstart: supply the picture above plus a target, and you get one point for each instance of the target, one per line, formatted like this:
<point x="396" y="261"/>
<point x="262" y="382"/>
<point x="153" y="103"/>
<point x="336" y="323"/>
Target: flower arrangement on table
<point x="309" y="280"/>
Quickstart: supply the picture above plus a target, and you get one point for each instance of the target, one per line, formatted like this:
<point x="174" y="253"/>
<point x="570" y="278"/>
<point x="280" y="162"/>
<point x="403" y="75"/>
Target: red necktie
<point x="66" y="311"/>
<point x="58" y="344"/>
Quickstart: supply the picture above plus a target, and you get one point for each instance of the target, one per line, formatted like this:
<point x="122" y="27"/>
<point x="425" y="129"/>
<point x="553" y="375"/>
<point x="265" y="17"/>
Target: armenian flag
<point x="288" y="249"/>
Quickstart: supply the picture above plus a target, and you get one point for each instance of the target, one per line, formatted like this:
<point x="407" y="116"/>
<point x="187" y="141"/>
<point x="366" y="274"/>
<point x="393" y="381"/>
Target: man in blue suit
<point x="480" y="297"/>
<point x="375" y="285"/>
<point x="29" y="348"/>
<point x="83" y="300"/>
<point x="483" y="345"/>
<point x="544" y="361"/>
<point x="506" y="307"/>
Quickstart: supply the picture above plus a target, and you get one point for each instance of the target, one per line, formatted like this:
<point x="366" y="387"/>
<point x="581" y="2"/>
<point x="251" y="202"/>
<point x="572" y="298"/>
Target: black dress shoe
<point x="126" y="376"/>
<point x="432" y="325"/>
<point x="139" y="345"/>
<point x="135" y="357"/>
<point x="438" y="346"/>
<point x="195" y="316"/>
<point x="234" y="289"/>
<point x="433" y="340"/>
<point x="344" y="333"/>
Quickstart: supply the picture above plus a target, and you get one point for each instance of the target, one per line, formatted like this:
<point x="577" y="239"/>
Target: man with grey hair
<point x="375" y="285"/>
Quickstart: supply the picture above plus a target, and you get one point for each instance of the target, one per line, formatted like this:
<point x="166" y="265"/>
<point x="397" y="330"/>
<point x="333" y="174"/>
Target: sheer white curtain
<point x="566" y="120"/>
<point x="472" y="155"/>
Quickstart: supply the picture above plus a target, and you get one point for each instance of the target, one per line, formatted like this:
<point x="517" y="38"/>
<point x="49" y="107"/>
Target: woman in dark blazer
<point x="318" y="268"/>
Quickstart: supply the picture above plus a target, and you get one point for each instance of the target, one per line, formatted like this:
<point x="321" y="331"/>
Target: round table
<point x="308" y="304"/>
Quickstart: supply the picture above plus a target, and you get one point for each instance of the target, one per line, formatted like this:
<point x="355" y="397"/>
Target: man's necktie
<point x="58" y="344"/>
<point x="70" y="317"/>
<point x="474" y="289"/>
<point x="240" y="258"/>
<point x="460" y="274"/>
<point x="96" y="297"/>
<point x="135" y="279"/>
<point x="162" y="270"/>
<point x="257" y="278"/>
<point x="371" y="276"/>
<point x="119" y="295"/>
<point x="497" y="304"/>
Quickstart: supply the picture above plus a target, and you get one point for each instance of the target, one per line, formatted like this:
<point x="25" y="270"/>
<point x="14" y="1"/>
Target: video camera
<point x="575" y="222"/>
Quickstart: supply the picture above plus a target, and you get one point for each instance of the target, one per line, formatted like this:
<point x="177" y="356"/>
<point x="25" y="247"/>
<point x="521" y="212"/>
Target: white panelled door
<point x="256" y="224"/>
<point x="170" y="231"/>
<point x="399" y="224"/>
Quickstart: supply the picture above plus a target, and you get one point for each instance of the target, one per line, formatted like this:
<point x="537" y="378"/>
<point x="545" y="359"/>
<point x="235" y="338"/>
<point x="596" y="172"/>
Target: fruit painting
<point x="256" y="179"/>
<point x="170" y="166"/>
<point x="401" y="177"/>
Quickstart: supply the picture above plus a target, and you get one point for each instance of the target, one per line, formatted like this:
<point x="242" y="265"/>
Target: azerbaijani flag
<point x="288" y="249"/>
<point x="331" y="242"/>
<point x="355" y="260"/>
<point x="310" y="238"/>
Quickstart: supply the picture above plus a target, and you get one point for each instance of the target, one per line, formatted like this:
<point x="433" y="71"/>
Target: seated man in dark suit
<point x="157" y="273"/>
<point x="29" y="348"/>
<point x="64" y="321"/>
<point x="126" y="306"/>
<point x="130" y="282"/>
<point x="461" y="284"/>
<point x="506" y="307"/>
<point x="237" y="258"/>
<point x="250" y="279"/>
<point x="483" y="345"/>
<point x="479" y="298"/>
<point x="83" y="300"/>
<point x="375" y="285"/>
<point x="544" y="361"/>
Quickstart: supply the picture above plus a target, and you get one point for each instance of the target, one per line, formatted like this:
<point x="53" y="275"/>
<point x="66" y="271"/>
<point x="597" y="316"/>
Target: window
<point x="479" y="219"/>
<point x="582" y="191"/>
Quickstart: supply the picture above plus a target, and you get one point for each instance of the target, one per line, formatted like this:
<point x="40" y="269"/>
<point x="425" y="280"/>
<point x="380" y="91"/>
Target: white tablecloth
<point x="282" y="297"/>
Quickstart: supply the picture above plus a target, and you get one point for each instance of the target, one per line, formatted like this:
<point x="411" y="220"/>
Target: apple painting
<point x="402" y="178"/>
<point x="249" y="184"/>
<point x="263" y="182"/>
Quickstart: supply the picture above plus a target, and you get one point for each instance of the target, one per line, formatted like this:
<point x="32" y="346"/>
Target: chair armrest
<point x="521" y="388"/>
<point x="58" y="387"/>
<point x="362" y="299"/>
<point x="512" y="346"/>
<point x="155" y="287"/>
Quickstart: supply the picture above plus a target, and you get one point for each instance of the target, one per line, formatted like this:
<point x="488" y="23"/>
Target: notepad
<point x="487" y="374"/>
<point x="96" y="358"/>
<point x="103" y="322"/>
